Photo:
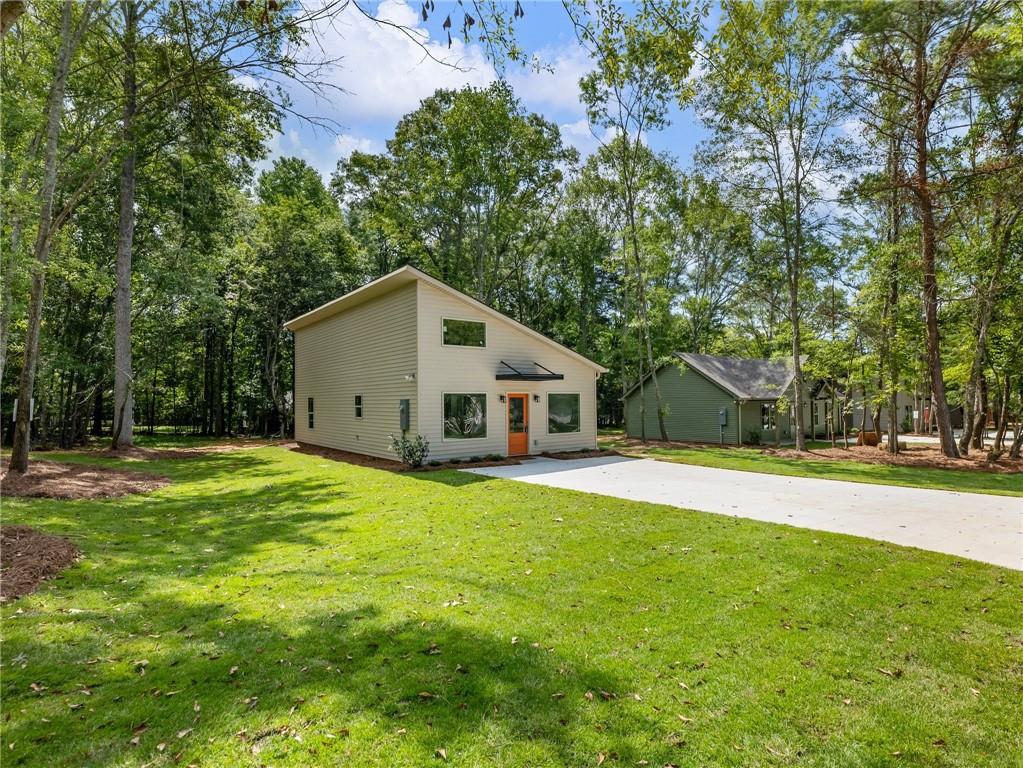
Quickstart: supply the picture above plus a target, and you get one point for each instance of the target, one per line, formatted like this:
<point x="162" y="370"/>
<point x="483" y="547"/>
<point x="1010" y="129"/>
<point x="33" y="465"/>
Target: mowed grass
<point x="272" y="608"/>
<point x="756" y="460"/>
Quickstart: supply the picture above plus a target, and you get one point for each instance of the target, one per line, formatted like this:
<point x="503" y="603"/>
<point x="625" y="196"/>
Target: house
<point x="409" y="354"/>
<point x="711" y="399"/>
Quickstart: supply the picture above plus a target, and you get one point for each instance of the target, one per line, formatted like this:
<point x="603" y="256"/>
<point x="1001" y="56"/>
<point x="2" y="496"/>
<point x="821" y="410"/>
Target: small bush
<point x="454" y="461"/>
<point x="995" y="454"/>
<point x="476" y="459"/>
<point x="412" y="452"/>
<point x="754" y="437"/>
<point x="435" y="463"/>
<point x="494" y="457"/>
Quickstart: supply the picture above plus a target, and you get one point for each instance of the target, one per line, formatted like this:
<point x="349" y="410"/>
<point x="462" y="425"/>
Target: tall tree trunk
<point x="1003" y="414"/>
<point x="69" y="40"/>
<point x="124" y="400"/>
<point x="644" y="314"/>
<point x="925" y="203"/>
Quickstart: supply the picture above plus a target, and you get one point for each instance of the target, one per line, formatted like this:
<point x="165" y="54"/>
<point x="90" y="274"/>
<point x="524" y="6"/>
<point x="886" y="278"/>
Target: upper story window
<point x="358" y="406"/>
<point x="464" y="333"/>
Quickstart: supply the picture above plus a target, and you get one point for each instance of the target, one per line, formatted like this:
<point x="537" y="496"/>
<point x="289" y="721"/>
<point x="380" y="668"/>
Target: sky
<point x="385" y="75"/>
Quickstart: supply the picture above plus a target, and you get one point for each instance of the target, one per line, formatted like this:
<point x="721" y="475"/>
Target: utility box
<point x="403" y="414"/>
<point x="722" y="417"/>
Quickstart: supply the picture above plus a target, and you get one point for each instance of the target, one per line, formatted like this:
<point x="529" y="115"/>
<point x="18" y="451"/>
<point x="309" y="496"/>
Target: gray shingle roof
<point x="747" y="379"/>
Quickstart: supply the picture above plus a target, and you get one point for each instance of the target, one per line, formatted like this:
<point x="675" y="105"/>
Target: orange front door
<point x="518" y="425"/>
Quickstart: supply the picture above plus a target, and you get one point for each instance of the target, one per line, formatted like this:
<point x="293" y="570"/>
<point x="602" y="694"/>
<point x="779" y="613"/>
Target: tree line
<point x="855" y="206"/>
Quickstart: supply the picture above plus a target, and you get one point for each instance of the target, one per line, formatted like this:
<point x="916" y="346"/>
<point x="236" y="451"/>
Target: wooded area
<point x="857" y="204"/>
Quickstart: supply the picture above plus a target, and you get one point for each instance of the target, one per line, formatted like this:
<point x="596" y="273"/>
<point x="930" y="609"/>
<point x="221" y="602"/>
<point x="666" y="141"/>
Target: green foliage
<point x="412" y="451"/>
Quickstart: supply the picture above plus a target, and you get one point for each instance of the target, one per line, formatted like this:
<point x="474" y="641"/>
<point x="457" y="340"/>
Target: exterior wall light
<point x="501" y="398"/>
<point x="536" y="398"/>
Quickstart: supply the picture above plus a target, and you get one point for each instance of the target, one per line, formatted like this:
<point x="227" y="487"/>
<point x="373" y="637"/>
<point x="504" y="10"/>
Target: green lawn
<point x="756" y="460"/>
<point x="279" y="609"/>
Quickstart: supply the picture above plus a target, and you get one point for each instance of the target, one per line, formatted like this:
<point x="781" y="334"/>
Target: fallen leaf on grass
<point x="183" y="733"/>
<point x="441" y="753"/>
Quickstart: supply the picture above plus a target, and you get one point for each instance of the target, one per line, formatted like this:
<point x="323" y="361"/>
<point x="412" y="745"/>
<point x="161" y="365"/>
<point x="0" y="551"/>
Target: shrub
<point x="454" y="461"/>
<point x="754" y="437"/>
<point x="435" y="463"/>
<point x="412" y="452"/>
<point x="476" y="459"/>
<point x="494" y="457"/>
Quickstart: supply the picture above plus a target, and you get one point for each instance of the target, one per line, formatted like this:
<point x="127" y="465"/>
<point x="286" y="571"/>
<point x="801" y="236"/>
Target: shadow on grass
<point x="244" y="686"/>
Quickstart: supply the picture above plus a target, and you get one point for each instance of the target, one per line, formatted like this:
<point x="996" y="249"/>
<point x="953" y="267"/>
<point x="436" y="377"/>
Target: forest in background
<point x="858" y="203"/>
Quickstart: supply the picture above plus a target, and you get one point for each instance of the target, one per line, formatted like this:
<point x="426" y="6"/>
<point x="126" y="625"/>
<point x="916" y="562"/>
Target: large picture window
<point x="464" y="333"/>
<point x="465" y="416"/>
<point x="563" y="414"/>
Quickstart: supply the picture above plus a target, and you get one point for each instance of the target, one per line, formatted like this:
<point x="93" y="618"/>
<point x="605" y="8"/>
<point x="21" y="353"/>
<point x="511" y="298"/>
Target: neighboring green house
<point x="710" y="399"/>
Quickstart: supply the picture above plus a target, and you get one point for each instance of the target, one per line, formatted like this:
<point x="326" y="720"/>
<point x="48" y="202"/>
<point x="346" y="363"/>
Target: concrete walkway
<point x="971" y="525"/>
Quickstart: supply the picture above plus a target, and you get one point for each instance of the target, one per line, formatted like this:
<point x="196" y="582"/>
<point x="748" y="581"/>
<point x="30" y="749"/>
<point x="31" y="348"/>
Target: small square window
<point x="358" y="406"/>
<point x="311" y="411"/>
<point x="464" y="333"/>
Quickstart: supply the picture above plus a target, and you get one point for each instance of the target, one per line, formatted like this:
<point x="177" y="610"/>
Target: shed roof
<point x="409" y="274"/>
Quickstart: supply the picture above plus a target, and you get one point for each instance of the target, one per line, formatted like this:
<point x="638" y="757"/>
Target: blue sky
<point x="385" y="75"/>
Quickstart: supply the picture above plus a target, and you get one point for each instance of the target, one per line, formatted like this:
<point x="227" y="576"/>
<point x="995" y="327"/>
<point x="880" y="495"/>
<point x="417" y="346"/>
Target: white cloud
<point x="345" y="144"/>
<point x="385" y="72"/>
<point x="557" y="87"/>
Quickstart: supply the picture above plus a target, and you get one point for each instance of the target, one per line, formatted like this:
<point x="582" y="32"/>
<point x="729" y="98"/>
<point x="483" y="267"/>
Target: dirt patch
<point x="569" y="455"/>
<point x="28" y="557"/>
<point x="910" y="456"/>
<point x="141" y="453"/>
<point x="362" y="460"/>
<point x="54" y="480"/>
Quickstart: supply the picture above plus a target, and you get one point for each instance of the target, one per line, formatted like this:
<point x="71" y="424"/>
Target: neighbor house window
<point x="465" y="416"/>
<point x="310" y="413"/>
<point x="768" y="416"/>
<point x="464" y="333"/>
<point x="358" y="406"/>
<point x="563" y="414"/>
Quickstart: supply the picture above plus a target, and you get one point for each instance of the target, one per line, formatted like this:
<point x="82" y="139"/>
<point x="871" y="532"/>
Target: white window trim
<point x="486" y="335"/>
<point x="547" y="417"/>
<point x="486" y="436"/>
<point x="360" y="405"/>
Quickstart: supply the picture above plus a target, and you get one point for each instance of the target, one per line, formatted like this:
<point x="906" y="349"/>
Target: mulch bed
<point x="390" y="465"/>
<point x="569" y="455"/>
<point x="28" y="557"/>
<point x="54" y="480"/>
<point x="911" y="456"/>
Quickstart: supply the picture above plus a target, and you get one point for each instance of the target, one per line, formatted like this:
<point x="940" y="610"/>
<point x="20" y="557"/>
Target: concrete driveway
<point x="971" y="525"/>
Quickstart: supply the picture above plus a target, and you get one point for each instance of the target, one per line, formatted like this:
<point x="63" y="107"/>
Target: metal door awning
<point x="508" y="372"/>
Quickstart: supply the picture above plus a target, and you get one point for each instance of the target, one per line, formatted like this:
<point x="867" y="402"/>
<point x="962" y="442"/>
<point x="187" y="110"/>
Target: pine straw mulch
<point x="55" y="480"/>
<point x="373" y="462"/>
<point x="583" y="454"/>
<point x="29" y="557"/>
<point x="912" y="455"/>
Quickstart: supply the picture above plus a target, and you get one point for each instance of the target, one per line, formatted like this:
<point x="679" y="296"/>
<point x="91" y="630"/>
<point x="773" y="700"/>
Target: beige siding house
<point x="472" y="380"/>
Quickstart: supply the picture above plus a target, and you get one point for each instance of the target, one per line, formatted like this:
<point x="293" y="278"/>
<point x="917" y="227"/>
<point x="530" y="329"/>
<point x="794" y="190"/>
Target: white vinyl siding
<point x="456" y="369"/>
<point x="368" y="350"/>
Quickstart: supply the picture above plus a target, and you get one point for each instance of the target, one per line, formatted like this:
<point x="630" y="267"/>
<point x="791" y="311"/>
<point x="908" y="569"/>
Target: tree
<point x="73" y="24"/>
<point x="467" y="191"/>
<point x="628" y="95"/>
<point x="773" y="111"/>
<point x="919" y="53"/>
